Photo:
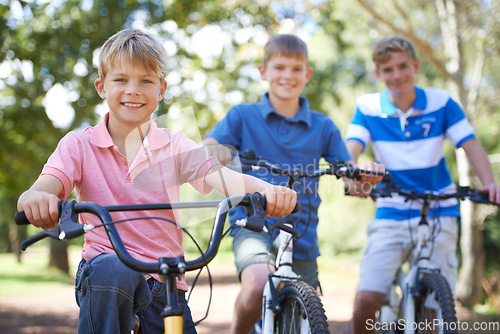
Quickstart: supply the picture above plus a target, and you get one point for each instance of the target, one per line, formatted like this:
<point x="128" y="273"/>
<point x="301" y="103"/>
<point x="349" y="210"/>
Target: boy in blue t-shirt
<point x="280" y="128"/>
<point x="407" y="126"/>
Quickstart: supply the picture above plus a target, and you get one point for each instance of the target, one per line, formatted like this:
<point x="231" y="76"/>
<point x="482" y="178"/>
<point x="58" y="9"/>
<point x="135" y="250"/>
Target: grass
<point x="32" y="274"/>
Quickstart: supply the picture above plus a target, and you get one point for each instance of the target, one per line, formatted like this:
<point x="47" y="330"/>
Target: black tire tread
<point x="434" y="281"/>
<point x="312" y="302"/>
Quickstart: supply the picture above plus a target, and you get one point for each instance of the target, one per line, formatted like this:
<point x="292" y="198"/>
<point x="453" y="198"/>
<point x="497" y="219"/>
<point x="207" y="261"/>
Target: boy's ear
<point x="377" y="74"/>
<point x="309" y="73"/>
<point x="99" y="87"/>
<point x="163" y="89"/>
<point x="262" y="70"/>
<point x="416" y="64"/>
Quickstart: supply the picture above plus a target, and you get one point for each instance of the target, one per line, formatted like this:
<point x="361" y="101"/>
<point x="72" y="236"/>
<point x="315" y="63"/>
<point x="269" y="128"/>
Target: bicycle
<point x="420" y="298"/>
<point x="290" y="305"/>
<point x="168" y="268"/>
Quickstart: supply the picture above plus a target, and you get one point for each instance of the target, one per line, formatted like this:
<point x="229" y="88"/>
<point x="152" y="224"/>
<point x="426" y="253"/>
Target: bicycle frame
<point x="419" y="261"/>
<point x="271" y="303"/>
<point x="284" y="273"/>
<point x="409" y="283"/>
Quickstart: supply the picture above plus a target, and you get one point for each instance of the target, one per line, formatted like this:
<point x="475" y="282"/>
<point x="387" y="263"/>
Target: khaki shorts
<point x="252" y="247"/>
<point x="389" y="243"/>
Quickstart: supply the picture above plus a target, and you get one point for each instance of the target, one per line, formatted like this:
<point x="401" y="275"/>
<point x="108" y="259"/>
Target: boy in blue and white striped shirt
<point x="407" y="126"/>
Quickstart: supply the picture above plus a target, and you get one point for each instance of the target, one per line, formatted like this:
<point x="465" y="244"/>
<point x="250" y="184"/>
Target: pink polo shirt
<point x="89" y="162"/>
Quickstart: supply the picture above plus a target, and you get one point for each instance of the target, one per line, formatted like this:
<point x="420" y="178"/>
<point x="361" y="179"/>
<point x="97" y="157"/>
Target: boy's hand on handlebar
<point x="41" y="209"/>
<point x="221" y="152"/>
<point x="362" y="187"/>
<point x="493" y="190"/>
<point x="280" y="200"/>
<point x="373" y="167"/>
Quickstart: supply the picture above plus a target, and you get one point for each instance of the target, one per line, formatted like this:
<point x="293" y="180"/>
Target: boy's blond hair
<point x="139" y="47"/>
<point x="285" y="45"/>
<point x="393" y="43"/>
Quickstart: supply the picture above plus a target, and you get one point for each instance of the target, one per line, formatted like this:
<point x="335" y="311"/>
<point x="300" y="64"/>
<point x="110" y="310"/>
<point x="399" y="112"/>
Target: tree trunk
<point x="59" y="255"/>
<point x="468" y="288"/>
<point x="16" y="235"/>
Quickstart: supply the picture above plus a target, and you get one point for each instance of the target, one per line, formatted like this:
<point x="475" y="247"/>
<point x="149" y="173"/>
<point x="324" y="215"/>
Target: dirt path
<point x="56" y="312"/>
<point x="337" y="300"/>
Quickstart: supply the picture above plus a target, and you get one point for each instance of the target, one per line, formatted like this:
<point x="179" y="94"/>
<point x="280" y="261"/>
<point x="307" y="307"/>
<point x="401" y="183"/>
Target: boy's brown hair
<point x="138" y="46"/>
<point x="389" y="44"/>
<point x="286" y="45"/>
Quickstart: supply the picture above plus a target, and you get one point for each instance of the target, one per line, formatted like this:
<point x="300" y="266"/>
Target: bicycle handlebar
<point x="339" y="169"/>
<point x="462" y="193"/>
<point x="70" y="228"/>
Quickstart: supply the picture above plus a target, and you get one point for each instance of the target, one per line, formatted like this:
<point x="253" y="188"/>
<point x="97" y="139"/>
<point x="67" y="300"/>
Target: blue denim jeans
<point x="110" y="294"/>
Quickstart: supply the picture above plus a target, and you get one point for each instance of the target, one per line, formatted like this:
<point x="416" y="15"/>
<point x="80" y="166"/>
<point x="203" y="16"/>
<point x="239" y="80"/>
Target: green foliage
<point x="58" y="42"/>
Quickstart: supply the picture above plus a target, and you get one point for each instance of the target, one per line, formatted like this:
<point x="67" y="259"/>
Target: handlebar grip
<point x="264" y="204"/>
<point x="481" y="198"/>
<point x="387" y="177"/>
<point x="20" y="218"/>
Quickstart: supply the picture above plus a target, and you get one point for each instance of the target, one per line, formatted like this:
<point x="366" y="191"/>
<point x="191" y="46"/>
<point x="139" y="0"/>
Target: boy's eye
<point x="120" y="80"/>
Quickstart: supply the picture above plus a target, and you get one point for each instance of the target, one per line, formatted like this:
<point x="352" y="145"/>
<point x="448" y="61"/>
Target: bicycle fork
<point x="270" y="301"/>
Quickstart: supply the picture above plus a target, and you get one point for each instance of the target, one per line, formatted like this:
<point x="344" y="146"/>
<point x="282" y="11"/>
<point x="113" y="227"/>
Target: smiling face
<point x="287" y="76"/>
<point x="132" y="93"/>
<point x="398" y="73"/>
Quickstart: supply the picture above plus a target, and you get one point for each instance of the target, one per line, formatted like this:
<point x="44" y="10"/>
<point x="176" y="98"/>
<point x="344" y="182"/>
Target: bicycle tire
<point x="435" y="286"/>
<point x="301" y="310"/>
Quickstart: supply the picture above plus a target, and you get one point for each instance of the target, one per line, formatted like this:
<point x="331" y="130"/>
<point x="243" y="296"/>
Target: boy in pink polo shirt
<point x="127" y="159"/>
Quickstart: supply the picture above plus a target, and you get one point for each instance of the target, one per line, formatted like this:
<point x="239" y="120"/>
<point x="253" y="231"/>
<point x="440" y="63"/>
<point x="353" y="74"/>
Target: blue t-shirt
<point x="296" y="143"/>
<point x="410" y="145"/>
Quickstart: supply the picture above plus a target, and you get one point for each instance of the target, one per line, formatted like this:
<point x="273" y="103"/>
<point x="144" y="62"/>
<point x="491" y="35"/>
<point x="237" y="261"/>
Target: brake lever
<point x="68" y="227"/>
<point x="386" y="190"/>
<point x="37" y="237"/>
<point x="256" y="214"/>
<point x="256" y="217"/>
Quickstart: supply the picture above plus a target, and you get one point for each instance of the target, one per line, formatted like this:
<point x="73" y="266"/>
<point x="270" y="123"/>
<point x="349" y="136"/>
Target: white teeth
<point x="132" y="105"/>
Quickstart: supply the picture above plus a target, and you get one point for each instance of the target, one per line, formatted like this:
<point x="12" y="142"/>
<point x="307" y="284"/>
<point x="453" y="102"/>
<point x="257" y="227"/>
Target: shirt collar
<point x="155" y="139"/>
<point x="388" y="108"/>
<point x="304" y="114"/>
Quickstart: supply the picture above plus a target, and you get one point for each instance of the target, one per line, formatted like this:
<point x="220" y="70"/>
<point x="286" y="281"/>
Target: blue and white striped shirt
<point x="410" y="145"/>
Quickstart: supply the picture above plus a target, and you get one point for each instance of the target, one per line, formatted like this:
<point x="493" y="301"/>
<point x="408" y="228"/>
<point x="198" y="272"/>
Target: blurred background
<point x="48" y="64"/>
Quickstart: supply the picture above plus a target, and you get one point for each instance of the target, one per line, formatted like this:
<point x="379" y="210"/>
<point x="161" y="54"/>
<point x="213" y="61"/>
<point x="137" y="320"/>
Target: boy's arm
<point x="355" y="148"/>
<point x="40" y="202"/>
<point x="280" y="200"/>
<point x="482" y="167"/>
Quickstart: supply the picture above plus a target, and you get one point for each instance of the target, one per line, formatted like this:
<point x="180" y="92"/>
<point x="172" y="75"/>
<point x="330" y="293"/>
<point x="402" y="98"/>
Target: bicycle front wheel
<point x="301" y="310"/>
<point x="435" y="306"/>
